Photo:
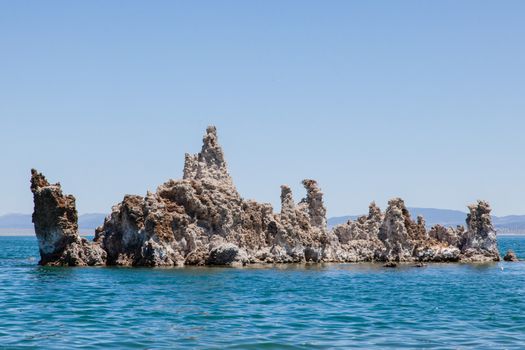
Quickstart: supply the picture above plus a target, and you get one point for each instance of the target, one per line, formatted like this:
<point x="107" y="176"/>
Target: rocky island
<point x="202" y="220"/>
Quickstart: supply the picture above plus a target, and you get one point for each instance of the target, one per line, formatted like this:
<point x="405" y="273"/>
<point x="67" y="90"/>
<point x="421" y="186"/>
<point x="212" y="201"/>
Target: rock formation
<point x="479" y="242"/>
<point x="202" y="220"/>
<point x="446" y="235"/>
<point x="56" y="227"/>
<point x="511" y="256"/>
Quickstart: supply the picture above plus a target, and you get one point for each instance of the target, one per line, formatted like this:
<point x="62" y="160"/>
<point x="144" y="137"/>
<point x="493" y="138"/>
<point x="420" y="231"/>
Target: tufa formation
<point x="55" y="218"/>
<point x="202" y="220"/>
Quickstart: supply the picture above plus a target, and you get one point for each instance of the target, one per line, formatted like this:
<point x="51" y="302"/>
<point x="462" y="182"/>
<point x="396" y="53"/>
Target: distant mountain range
<point x="446" y="217"/>
<point x="86" y="222"/>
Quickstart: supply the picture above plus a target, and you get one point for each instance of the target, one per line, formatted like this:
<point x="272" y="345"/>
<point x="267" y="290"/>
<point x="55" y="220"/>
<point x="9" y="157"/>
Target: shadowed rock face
<point x="396" y="232"/>
<point x="479" y="243"/>
<point x="511" y="256"/>
<point x="202" y="220"/>
<point x="55" y="219"/>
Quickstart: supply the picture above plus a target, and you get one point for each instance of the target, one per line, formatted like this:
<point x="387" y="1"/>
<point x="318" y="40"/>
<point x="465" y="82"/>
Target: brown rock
<point x="202" y="220"/>
<point x="55" y="219"/>
<point x="511" y="256"/>
<point x="446" y="235"/>
<point x="398" y="232"/>
<point x="479" y="242"/>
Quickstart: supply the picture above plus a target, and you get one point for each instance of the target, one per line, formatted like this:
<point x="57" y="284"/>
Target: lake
<point x="315" y="306"/>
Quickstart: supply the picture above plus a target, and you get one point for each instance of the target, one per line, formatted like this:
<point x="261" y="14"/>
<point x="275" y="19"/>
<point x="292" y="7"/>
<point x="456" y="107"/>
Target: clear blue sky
<point x="374" y="99"/>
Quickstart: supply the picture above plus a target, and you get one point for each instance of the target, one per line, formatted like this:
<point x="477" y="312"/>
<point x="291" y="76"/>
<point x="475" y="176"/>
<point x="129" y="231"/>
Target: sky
<point x="423" y="100"/>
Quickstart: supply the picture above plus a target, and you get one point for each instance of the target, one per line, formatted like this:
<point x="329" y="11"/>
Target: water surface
<point x="439" y="306"/>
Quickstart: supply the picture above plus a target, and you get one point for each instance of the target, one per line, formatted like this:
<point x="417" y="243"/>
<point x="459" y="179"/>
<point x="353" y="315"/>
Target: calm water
<point x="287" y="307"/>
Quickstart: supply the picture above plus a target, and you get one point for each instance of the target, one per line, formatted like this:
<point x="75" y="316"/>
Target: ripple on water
<point x="284" y="307"/>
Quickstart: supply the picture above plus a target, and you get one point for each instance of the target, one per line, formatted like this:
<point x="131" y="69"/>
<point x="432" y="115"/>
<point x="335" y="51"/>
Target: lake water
<point x="440" y="306"/>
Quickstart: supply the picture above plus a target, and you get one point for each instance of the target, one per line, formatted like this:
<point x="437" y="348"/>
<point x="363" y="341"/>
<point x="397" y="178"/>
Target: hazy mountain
<point x="446" y="217"/>
<point x="511" y="223"/>
<point x="23" y="221"/>
<point x="90" y="221"/>
<point x="338" y="220"/>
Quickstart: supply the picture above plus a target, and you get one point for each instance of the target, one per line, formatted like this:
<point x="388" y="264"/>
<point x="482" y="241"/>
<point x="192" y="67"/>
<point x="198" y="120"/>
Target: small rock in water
<point x="511" y="256"/>
<point x="420" y="264"/>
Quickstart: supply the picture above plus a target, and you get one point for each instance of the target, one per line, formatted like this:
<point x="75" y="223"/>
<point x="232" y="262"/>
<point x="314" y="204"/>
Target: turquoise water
<point x="286" y="307"/>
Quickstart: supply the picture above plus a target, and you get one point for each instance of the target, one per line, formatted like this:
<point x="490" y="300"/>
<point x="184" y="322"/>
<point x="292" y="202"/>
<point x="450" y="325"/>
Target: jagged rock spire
<point x="479" y="219"/>
<point x="209" y="164"/>
<point x="38" y="181"/>
<point x="374" y="212"/>
<point x="54" y="216"/>
<point x="288" y="207"/>
<point x="211" y="152"/>
<point x="373" y="221"/>
<point x="315" y="204"/>
<point x="287" y="203"/>
<point x="56" y="226"/>
<point x="480" y="238"/>
<point x="394" y="232"/>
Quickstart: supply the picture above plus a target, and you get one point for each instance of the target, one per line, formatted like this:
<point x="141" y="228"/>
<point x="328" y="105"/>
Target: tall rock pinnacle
<point x="315" y="204"/>
<point x="55" y="215"/>
<point x="394" y="232"/>
<point x="209" y="164"/>
<point x="287" y="203"/>
<point x="480" y="239"/>
<point x="56" y="227"/>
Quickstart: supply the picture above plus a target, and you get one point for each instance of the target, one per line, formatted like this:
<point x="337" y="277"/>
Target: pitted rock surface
<point x="202" y="220"/>
<point x="56" y="226"/>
